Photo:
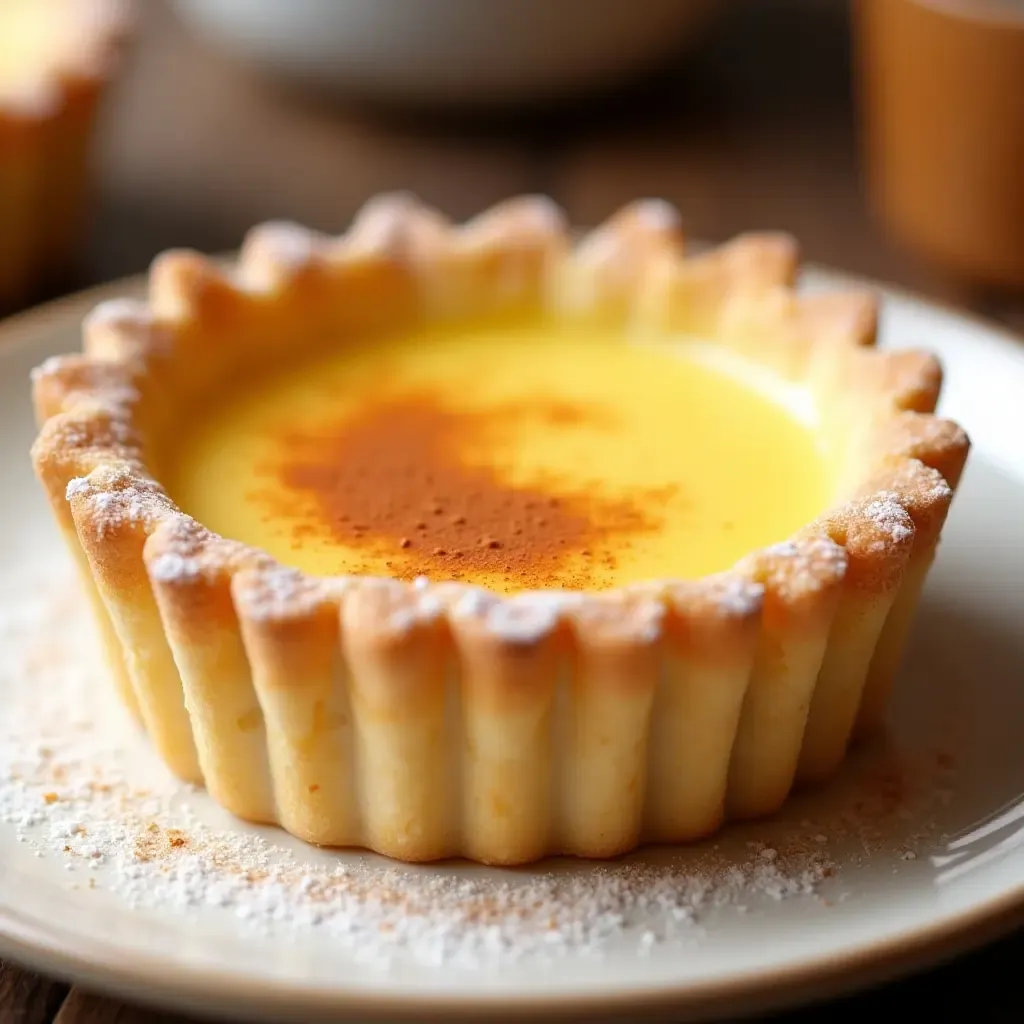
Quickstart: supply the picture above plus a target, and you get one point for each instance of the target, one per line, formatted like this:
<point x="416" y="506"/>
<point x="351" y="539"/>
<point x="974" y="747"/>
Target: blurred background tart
<point x="56" y="58"/>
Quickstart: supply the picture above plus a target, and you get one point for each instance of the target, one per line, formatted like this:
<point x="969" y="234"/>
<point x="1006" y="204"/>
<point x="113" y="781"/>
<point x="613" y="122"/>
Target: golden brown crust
<point x="939" y="443"/>
<point x="877" y="534"/>
<point x="735" y="683"/>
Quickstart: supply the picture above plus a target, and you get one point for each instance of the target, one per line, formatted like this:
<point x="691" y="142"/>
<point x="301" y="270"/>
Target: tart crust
<point x="46" y="130"/>
<point x="437" y="719"/>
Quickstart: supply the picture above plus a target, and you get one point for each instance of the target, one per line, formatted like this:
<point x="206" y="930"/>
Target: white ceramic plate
<point x="937" y="864"/>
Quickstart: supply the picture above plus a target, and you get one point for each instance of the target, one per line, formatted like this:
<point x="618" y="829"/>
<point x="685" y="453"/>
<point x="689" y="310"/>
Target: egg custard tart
<point x="494" y="541"/>
<point x="56" y="59"/>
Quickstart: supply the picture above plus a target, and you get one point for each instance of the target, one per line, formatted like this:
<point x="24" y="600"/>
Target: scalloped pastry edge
<point x="436" y="719"/>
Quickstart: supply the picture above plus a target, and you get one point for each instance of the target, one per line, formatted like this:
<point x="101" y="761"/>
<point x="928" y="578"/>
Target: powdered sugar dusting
<point x="111" y="509"/>
<point x="289" y="243"/>
<point x="657" y="215"/>
<point x="118" y="494"/>
<point x="521" y="622"/>
<point x="51" y="364"/>
<point x="806" y="564"/>
<point x="741" y="597"/>
<point x="117" y="312"/>
<point x="640" y="620"/>
<point x="473" y="602"/>
<point x="534" y="215"/>
<point x="77" y="788"/>
<point x="171" y="567"/>
<point x="528" y="617"/>
<point x="78" y="485"/>
<point x="733" y="594"/>
<point x="891" y="517"/>
<point x="276" y="251"/>
<point x="281" y="593"/>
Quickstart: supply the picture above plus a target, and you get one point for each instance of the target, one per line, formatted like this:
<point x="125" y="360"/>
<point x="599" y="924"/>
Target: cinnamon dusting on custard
<point x="399" y="478"/>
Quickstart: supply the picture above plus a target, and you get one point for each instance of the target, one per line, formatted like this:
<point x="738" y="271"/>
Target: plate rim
<point x="146" y="977"/>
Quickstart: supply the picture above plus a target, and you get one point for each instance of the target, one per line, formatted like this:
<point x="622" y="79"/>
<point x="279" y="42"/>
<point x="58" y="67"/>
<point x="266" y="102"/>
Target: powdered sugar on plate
<point x="78" y="788"/>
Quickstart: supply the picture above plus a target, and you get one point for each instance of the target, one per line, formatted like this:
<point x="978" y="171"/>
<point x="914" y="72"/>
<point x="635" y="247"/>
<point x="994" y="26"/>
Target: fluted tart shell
<point x="437" y="719"/>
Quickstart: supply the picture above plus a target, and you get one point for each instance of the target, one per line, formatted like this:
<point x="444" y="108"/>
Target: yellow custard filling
<point x="514" y="456"/>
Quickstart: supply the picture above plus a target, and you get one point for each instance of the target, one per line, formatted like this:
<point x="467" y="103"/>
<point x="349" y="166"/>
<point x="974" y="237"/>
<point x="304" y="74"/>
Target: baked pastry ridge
<point x="433" y="719"/>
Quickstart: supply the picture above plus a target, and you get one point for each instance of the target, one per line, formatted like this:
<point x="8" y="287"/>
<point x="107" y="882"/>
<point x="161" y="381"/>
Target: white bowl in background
<point x="452" y="51"/>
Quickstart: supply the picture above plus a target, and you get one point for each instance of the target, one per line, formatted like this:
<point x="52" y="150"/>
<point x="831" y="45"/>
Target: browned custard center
<point x="406" y="476"/>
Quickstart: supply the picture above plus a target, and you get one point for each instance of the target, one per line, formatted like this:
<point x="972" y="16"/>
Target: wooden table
<point x="756" y="130"/>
